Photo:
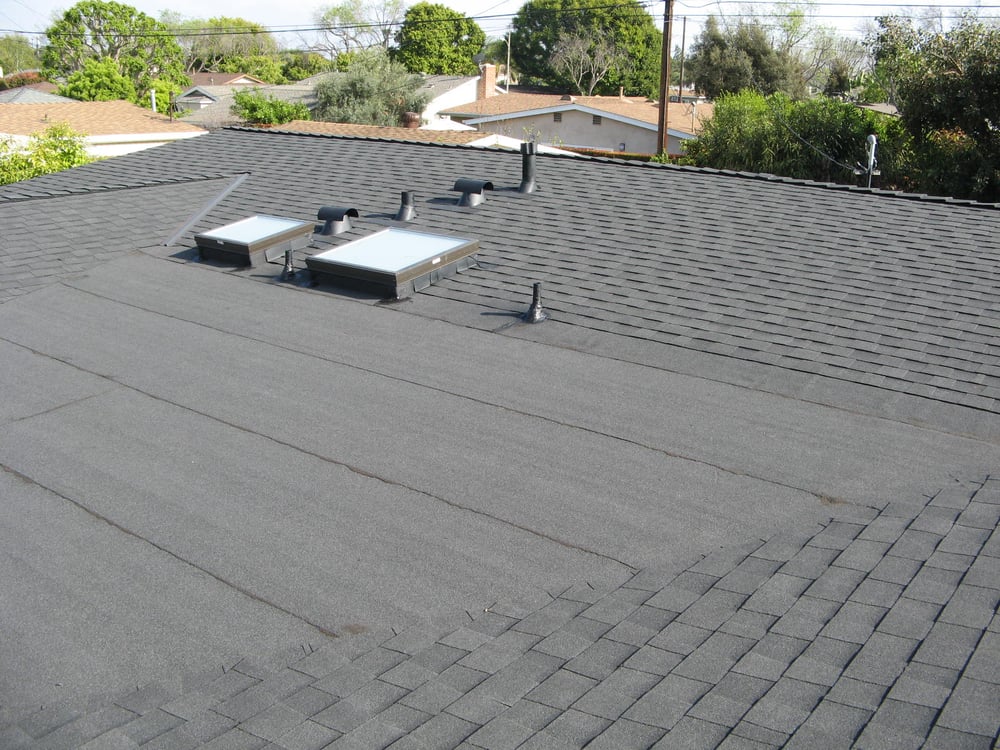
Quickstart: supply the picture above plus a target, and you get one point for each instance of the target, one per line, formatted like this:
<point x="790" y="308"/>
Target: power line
<point x="880" y="10"/>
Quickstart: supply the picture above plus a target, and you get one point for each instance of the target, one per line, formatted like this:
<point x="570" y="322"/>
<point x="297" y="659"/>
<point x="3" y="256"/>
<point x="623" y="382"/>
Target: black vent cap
<point x="471" y="190"/>
<point x="337" y="219"/>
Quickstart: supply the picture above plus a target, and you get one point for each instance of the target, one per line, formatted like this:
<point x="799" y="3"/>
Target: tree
<point x="947" y="88"/>
<point x="222" y="41"/>
<point x="299" y="64"/>
<point x="140" y="47"/>
<point x="586" y="62"/>
<point x="261" y="109"/>
<point x="375" y="90"/>
<point x="55" y="149"/>
<point x="265" y="67"/>
<point x="625" y="27"/>
<point x="819" y="138"/>
<point x="726" y="61"/>
<point x="98" y="81"/>
<point x="438" y="40"/>
<point x="16" y="54"/>
<point x="359" y="24"/>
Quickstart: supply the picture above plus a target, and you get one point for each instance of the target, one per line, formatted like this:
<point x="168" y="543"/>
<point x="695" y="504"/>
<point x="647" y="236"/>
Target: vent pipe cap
<point x="471" y="190"/>
<point x="337" y="218"/>
<point x="528" y="151"/>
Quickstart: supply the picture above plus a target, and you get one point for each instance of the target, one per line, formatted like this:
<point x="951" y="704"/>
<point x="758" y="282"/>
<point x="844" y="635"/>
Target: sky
<point x="291" y="19"/>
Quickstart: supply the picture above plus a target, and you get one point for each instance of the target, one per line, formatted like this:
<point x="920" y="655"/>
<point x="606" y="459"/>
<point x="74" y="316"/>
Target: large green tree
<point x="374" y="90"/>
<point x="16" y="54"/>
<point x="299" y="64"/>
<point x="819" y="138"/>
<point x="222" y="41"/>
<point x="141" y="47"/>
<point x="727" y="60"/>
<point x="542" y="27"/>
<point x="438" y="40"/>
<point x="947" y="88"/>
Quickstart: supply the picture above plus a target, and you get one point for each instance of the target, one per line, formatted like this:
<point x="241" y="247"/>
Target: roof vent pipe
<point x="528" y="151"/>
<point x="406" y="210"/>
<point x="472" y="191"/>
<point x="338" y="219"/>
<point x="535" y="313"/>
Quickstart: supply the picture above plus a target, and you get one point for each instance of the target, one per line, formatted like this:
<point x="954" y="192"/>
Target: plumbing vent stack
<point x="535" y="313"/>
<point x="528" y="151"/>
<point x="472" y="191"/>
<point x="337" y="218"/>
<point x="406" y="210"/>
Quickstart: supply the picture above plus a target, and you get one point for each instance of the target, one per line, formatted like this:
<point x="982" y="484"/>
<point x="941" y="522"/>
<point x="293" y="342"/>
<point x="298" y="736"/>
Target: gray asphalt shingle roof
<point x="740" y="490"/>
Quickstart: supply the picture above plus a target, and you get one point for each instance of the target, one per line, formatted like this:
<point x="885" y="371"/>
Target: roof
<point x="739" y="488"/>
<point x="218" y="114"/>
<point x="389" y="133"/>
<point x="436" y="85"/>
<point x="91" y="118"/>
<point x="224" y="79"/>
<point x="684" y="117"/>
<point x="30" y="95"/>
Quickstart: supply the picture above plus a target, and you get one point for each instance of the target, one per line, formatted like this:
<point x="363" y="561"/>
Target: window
<point x="557" y="117"/>
<point x="597" y="119"/>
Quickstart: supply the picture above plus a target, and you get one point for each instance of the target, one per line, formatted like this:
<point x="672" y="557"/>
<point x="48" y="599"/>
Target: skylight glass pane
<point x="254" y="229"/>
<point x="392" y="250"/>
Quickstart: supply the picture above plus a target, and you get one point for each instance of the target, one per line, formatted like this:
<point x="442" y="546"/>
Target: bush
<point x="55" y="149"/>
<point x="260" y="109"/>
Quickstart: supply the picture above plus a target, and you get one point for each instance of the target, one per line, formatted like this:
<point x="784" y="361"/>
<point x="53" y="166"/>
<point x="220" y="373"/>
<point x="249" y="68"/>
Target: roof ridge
<point x="62" y="192"/>
<point x="766" y="177"/>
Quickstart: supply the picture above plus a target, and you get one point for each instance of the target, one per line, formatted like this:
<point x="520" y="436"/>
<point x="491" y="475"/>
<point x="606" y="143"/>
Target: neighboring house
<point x="740" y="489"/>
<point x="109" y="128"/>
<point x="218" y="112"/>
<point x="451" y="91"/>
<point x="606" y="123"/>
<point x="210" y="106"/>
<point x="208" y="88"/>
<point x="465" y="137"/>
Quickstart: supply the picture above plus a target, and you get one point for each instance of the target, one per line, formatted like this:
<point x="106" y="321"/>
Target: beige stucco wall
<point x="578" y="130"/>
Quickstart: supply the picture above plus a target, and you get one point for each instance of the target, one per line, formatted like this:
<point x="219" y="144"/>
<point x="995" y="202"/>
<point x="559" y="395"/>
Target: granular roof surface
<point x="739" y="490"/>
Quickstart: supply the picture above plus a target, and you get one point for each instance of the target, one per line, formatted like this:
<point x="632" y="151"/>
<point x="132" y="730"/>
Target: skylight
<point x="251" y="240"/>
<point x="395" y="262"/>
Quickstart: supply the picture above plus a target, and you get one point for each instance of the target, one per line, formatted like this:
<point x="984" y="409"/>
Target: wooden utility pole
<point x="662" y="131"/>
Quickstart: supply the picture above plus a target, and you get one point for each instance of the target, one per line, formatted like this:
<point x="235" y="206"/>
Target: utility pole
<point x="662" y="129"/>
<point x="507" y="76"/>
<point x="680" y="78"/>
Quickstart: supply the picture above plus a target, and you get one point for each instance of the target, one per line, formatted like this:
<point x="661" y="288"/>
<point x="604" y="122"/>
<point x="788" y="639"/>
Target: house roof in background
<point x="441" y="84"/>
<point x="388" y="133"/>
<point x="90" y="118"/>
<point x="30" y="95"/>
<point x="684" y="117"/>
<point x="218" y="114"/>
<point x="741" y="484"/>
<point x="225" y="79"/>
